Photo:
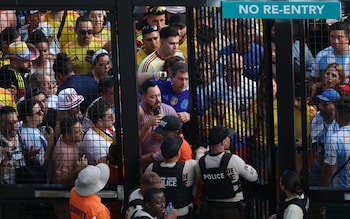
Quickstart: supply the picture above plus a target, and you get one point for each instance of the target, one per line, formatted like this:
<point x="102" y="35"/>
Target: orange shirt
<point x="81" y="207"/>
<point x="185" y="150"/>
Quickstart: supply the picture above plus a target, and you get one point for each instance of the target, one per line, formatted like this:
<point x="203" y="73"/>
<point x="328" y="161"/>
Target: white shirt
<point x="94" y="145"/>
<point x="293" y="211"/>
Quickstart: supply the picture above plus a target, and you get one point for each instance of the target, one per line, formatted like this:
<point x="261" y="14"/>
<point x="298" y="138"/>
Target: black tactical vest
<point x="175" y="190"/>
<point x="302" y="203"/>
<point x="216" y="183"/>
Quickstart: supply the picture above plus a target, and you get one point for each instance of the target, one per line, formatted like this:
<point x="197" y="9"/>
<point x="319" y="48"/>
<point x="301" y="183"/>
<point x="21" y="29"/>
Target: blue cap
<point x="329" y="95"/>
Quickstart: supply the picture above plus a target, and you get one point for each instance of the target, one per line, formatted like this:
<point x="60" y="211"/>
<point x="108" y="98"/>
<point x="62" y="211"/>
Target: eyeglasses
<point x="40" y="112"/>
<point x="157" y="10"/>
<point x="84" y="32"/>
<point x="104" y="65"/>
<point x="149" y="29"/>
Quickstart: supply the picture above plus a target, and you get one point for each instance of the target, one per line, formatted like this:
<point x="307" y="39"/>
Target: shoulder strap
<point x="224" y="160"/>
<point x="338" y="170"/>
<point x="135" y="202"/>
<point x="202" y="164"/>
<point x="61" y="25"/>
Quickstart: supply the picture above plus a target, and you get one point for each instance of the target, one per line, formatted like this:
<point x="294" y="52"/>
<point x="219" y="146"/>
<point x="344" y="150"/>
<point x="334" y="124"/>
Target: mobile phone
<point x="81" y="154"/>
<point x="163" y="76"/>
<point x="90" y="52"/>
<point x="156" y="111"/>
<point x="44" y="130"/>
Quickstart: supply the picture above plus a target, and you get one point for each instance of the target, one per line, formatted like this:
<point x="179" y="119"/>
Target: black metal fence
<point x="226" y="88"/>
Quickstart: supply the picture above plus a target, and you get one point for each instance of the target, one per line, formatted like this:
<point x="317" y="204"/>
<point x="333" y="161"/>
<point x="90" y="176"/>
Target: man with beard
<point x="67" y="161"/>
<point x="37" y="94"/>
<point x="175" y="91"/>
<point x="80" y="50"/>
<point x="98" y="139"/>
<point x="11" y="157"/>
<point x="179" y="22"/>
<point x="322" y="126"/>
<point x="13" y="77"/>
<point x="151" y="110"/>
<point x="153" y="16"/>
<point x="150" y="39"/>
<point x="37" y="148"/>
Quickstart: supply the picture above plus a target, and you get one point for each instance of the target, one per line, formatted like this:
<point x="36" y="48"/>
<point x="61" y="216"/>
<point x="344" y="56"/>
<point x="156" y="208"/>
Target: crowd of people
<point x="57" y="114"/>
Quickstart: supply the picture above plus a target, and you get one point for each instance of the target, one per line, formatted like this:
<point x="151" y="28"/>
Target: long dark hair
<point x="62" y="64"/>
<point x="291" y="181"/>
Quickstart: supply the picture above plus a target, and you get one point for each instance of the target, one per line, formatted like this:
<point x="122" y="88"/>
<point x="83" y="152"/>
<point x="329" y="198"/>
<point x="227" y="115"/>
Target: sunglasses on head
<point x="149" y="29"/>
<point x="84" y="32"/>
<point x="157" y="10"/>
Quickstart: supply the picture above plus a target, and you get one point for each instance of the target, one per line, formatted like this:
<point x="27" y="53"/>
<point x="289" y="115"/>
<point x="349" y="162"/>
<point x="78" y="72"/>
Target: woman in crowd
<point x="294" y="203"/>
<point x="99" y="23"/>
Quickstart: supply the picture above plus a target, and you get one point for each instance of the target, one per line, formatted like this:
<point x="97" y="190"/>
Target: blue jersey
<point x="251" y="59"/>
<point x="326" y="56"/>
<point x="180" y="102"/>
<point x="337" y="151"/>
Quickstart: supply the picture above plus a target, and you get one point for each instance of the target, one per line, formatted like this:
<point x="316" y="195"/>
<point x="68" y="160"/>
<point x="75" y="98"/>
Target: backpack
<point x="127" y="205"/>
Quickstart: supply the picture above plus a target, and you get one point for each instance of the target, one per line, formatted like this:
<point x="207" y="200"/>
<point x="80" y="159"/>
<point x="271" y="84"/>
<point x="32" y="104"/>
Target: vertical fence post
<point x="285" y="95"/>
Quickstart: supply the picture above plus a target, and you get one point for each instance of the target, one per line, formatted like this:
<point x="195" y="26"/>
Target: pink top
<point x="150" y="143"/>
<point x="64" y="158"/>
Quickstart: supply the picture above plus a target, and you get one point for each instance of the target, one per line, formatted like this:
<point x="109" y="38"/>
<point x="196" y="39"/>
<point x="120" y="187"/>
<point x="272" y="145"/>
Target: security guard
<point x="177" y="177"/>
<point x="220" y="171"/>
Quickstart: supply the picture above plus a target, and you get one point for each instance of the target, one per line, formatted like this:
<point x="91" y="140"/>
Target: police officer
<point x="177" y="177"/>
<point x="220" y="171"/>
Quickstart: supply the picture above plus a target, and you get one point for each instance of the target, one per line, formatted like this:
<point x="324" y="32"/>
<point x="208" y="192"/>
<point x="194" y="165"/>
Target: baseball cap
<point x="329" y="95"/>
<point x="177" y="20"/>
<point x="170" y="146"/>
<point x="218" y="133"/>
<point x="22" y="50"/>
<point x="168" y="124"/>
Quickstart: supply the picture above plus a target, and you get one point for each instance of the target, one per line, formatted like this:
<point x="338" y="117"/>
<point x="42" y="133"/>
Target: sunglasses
<point x="149" y="29"/>
<point x="84" y="32"/>
<point x="157" y="10"/>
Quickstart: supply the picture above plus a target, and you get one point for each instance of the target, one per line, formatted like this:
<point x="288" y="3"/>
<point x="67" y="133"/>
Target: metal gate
<point x="213" y="50"/>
